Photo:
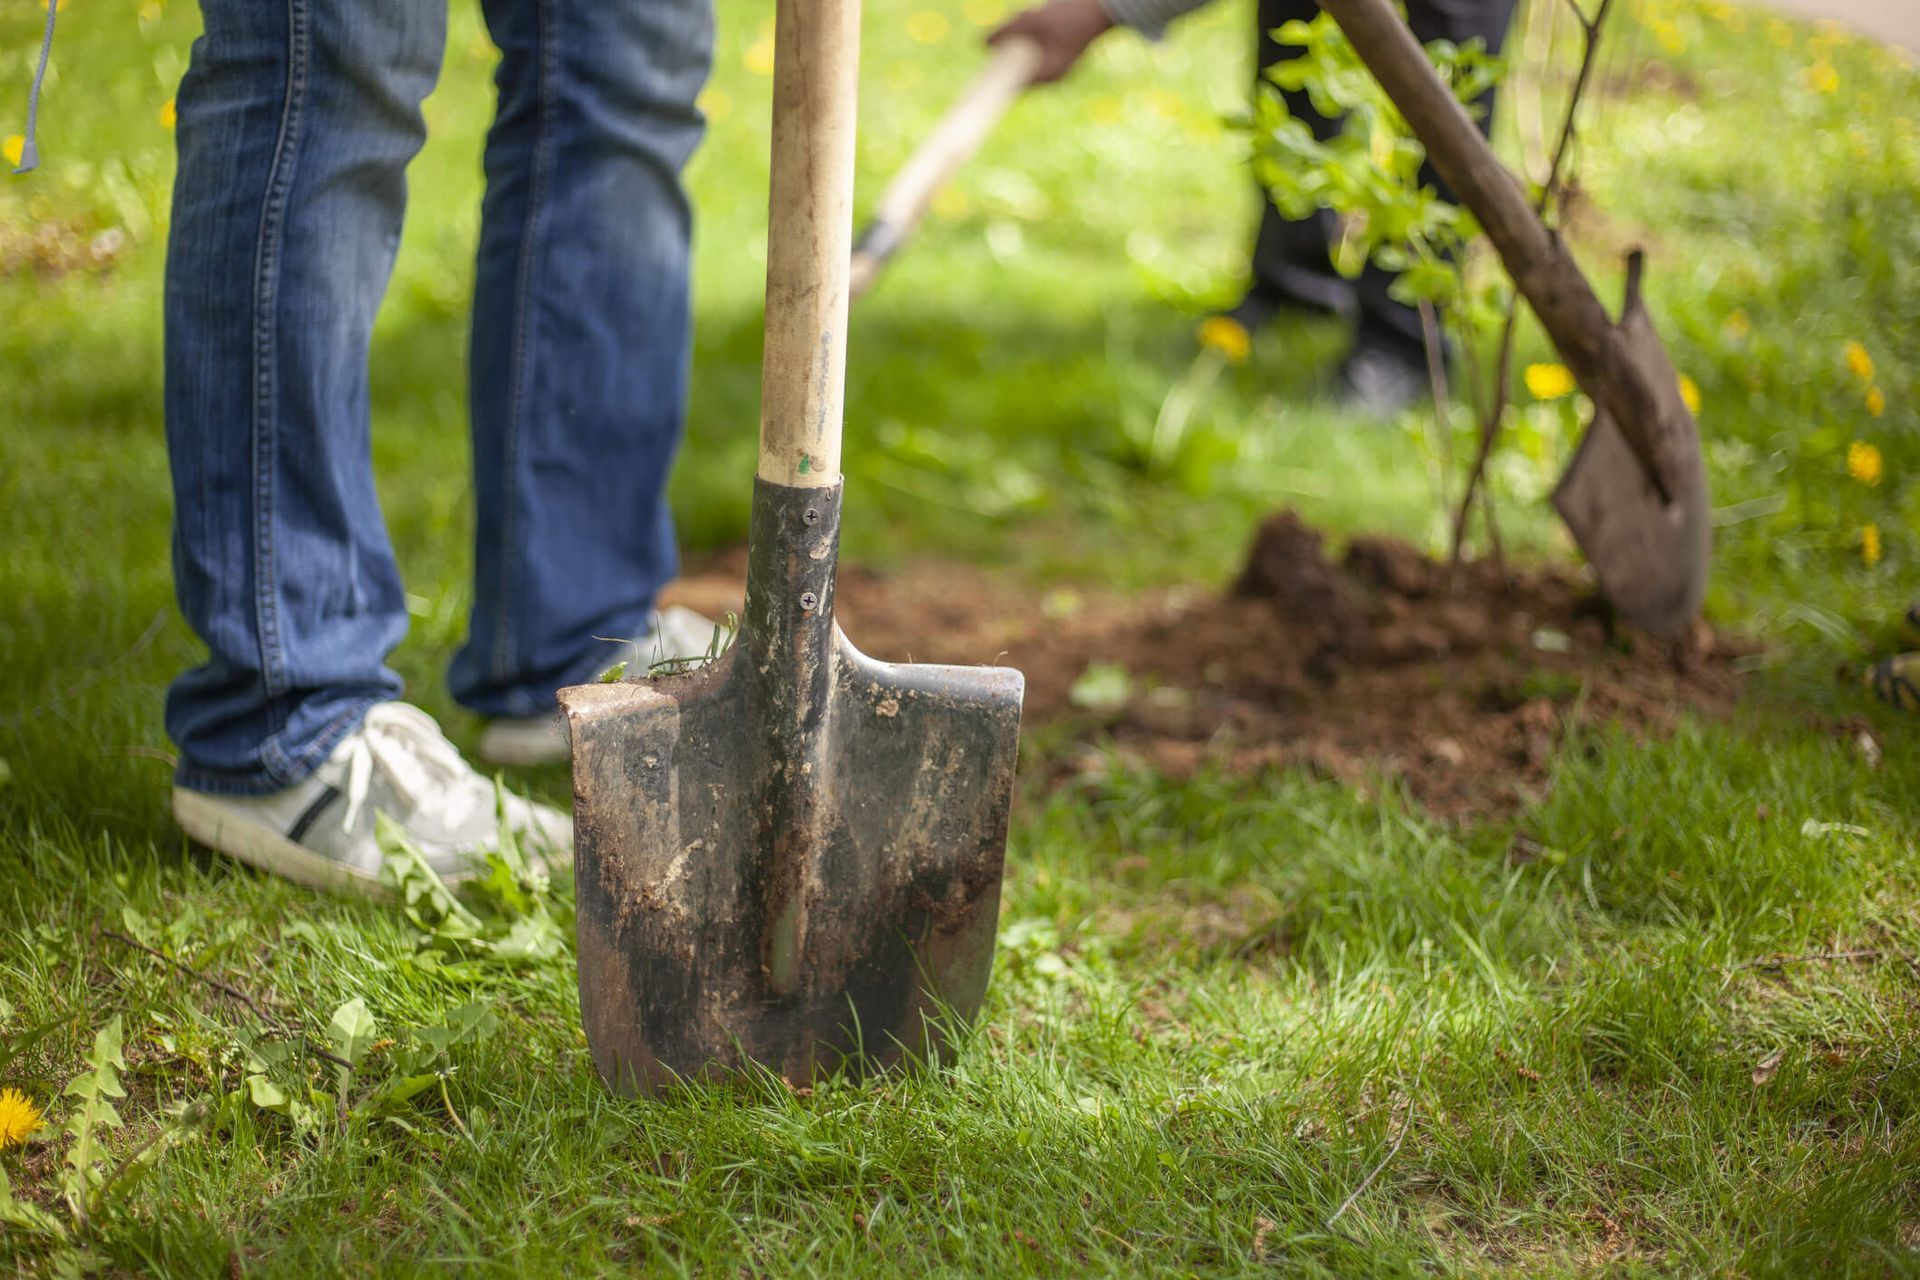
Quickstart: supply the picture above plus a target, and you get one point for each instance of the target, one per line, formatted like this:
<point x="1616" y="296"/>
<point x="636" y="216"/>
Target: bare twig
<point x="1442" y="405"/>
<point x="226" y="988"/>
<point x="1378" y="1169"/>
<point x="1549" y="192"/>
<point x="1812" y="957"/>
<point x="146" y="637"/>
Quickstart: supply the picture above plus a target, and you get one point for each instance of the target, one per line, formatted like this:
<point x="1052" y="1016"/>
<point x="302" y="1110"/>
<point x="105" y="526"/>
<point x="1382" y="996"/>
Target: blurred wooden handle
<point x="950" y="145"/>
<point x="809" y="240"/>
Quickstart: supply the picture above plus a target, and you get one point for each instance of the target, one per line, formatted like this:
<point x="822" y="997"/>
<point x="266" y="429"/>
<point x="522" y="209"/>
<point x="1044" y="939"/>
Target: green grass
<point x="1220" y="1006"/>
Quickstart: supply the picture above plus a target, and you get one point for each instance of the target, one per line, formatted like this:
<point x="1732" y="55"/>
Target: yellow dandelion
<point x="1690" y="394"/>
<point x="1870" y="543"/>
<point x="1739" y="324"/>
<point x="1780" y="33"/>
<point x="1876" y="401"/>
<point x="13" y="148"/>
<point x="1859" y="362"/>
<point x="1225" y="335"/>
<point x="759" y="56"/>
<point x="19" y="1118"/>
<point x="169" y="114"/>
<point x="950" y="202"/>
<point x="714" y="104"/>
<point x="1822" y="78"/>
<point x="927" y="27"/>
<point x="1863" y="463"/>
<point x="1549" y="381"/>
<point x="1668" y="34"/>
<point x="984" y="13"/>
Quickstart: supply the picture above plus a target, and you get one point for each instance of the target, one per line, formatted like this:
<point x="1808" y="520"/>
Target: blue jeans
<point x="296" y="122"/>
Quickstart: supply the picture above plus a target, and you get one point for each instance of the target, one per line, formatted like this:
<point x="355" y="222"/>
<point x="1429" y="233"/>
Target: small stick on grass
<point x="226" y="988"/>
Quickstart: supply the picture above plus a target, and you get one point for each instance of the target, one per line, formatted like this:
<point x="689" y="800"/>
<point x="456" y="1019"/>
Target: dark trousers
<point x="1292" y="261"/>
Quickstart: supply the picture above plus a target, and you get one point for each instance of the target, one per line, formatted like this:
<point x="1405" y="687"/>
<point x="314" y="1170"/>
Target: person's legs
<point x="580" y="337"/>
<point x="296" y="122"/>
<point x="1292" y="258"/>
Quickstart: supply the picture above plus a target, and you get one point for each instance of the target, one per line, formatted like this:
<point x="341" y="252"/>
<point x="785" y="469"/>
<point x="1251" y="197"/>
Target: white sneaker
<point x="680" y="639"/>
<point x="321" y="832"/>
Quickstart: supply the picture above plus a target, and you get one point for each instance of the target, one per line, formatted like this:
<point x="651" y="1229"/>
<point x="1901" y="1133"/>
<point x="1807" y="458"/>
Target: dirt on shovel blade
<point x="1379" y="665"/>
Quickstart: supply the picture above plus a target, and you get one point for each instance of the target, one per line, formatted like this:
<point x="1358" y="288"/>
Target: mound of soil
<point x="1382" y="663"/>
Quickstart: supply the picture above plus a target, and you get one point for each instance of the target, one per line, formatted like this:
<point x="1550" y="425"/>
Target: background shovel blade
<point x="736" y="906"/>
<point x="1651" y="555"/>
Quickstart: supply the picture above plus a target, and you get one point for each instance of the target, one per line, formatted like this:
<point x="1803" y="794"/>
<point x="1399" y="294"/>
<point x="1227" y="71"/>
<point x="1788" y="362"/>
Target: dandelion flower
<point x="1549" y="381"/>
<point x="1822" y="78"/>
<point x="714" y="103"/>
<point x="1876" y="401"/>
<point x="1225" y="335"/>
<point x="1690" y="393"/>
<point x="1859" y="361"/>
<point x="169" y="114"/>
<point x="759" y="56"/>
<point x="13" y="148"/>
<point x="950" y="202"/>
<point x="1870" y="543"/>
<point x="927" y="27"/>
<point x="1863" y="463"/>
<point x="19" y="1118"/>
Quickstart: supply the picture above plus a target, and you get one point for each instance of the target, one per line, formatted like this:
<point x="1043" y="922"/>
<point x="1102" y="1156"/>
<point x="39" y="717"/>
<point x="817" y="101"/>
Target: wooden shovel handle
<point x="1542" y="269"/>
<point x="950" y="145"/>
<point x="809" y="239"/>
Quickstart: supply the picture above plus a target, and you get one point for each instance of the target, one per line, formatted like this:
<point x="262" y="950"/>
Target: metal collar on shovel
<point x="791" y="858"/>
<point x="1635" y="496"/>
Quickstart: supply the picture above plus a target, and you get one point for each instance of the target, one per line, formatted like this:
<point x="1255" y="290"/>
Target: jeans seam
<point x="505" y="655"/>
<point x="265" y="335"/>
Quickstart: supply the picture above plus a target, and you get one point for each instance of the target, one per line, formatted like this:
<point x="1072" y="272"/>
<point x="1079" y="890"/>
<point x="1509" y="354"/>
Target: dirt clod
<point x="1382" y="664"/>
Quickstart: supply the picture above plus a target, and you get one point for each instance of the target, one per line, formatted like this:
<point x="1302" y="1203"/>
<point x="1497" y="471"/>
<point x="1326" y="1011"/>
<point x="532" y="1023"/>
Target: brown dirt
<point x="1371" y="666"/>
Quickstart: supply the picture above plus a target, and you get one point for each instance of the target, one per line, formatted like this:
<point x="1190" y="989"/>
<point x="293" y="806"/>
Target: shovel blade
<point x="1651" y="552"/>
<point x="742" y="904"/>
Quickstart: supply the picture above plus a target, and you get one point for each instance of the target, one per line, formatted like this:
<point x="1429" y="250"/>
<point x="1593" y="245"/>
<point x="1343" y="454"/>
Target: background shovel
<point x="792" y="857"/>
<point x="951" y="144"/>
<point x="1635" y="495"/>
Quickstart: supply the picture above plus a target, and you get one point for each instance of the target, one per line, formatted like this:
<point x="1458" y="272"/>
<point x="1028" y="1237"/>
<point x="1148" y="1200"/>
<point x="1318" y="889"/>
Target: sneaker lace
<point x="422" y="767"/>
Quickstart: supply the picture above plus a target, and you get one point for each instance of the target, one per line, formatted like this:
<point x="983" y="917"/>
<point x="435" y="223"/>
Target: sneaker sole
<point x="206" y="821"/>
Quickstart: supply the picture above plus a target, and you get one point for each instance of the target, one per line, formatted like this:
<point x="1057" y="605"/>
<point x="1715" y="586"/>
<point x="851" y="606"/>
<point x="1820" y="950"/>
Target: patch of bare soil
<point x="1374" y="664"/>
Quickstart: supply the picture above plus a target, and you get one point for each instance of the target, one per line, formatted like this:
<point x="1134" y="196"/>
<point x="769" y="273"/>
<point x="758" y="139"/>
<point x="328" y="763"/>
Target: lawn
<point x="1659" y="1023"/>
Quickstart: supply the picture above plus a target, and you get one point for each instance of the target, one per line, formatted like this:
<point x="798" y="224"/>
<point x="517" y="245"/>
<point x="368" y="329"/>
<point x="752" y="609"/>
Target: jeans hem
<point x="280" y="771"/>
<point x="521" y="703"/>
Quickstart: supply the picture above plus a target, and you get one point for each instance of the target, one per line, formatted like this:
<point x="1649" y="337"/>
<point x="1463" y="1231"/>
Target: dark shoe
<point x="1377" y="383"/>
<point x="1896" y="681"/>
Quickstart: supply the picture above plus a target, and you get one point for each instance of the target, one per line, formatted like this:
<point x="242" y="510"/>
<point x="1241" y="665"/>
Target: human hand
<point x="1062" y="28"/>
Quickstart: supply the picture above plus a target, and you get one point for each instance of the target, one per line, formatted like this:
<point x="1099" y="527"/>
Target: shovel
<point x="950" y="145"/>
<point x="791" y="858"/>
<point x="1635" y="496"/>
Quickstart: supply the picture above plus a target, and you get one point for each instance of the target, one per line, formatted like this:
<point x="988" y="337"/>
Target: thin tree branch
<point x="1549" y="192"/>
